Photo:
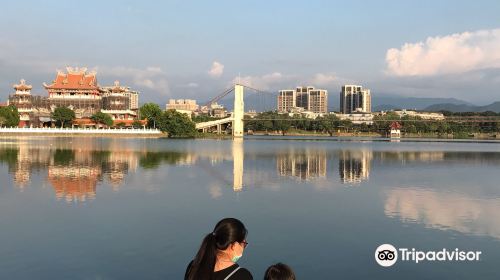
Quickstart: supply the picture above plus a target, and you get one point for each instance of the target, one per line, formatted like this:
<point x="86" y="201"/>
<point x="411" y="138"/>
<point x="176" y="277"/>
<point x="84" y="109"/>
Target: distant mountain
<point x="385" y="103"/>
<point x="494" y="107"/>
<point x="418" y="103"/>
<point x="384" y="107"/>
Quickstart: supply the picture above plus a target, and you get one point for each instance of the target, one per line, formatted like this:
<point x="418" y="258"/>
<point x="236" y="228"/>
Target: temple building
<point x="120" y="102"/>
<point x="22" y="99"/>
<point x="79" y="91"/>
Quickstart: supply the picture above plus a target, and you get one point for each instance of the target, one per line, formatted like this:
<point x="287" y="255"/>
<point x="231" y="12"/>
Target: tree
<point x="3" y="121"/>
<point x="328" y="123"/>
<point x="63" y="115"/>
<point x="136" y="123"/>
<point x="282" y="124"/>
<point x="102" y="118"/>
<point x="9" y="116"/>
<point x="151" y="112"/>
<point x="176" y="124"/>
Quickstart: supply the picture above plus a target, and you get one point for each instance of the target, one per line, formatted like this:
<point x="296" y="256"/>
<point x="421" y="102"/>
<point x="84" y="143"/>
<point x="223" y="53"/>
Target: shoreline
<point x="74" y="132"/>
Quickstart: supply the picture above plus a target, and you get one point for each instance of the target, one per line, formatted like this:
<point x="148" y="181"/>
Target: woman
<point x="220" y="250"/>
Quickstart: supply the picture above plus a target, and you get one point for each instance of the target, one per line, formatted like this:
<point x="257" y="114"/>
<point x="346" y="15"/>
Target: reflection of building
<point x="354" y="165"/>
<point x="308" y="98"/>
<point x="79" y="91"/>
<point x="74" y="183"/>
<point x="354" y="98"/>
<point x="304" y="166"/>
<point x="73" y="173"/>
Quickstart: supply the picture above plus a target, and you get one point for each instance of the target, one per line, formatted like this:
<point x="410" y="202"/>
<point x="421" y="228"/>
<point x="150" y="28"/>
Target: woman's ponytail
<point x="203" y="264"/>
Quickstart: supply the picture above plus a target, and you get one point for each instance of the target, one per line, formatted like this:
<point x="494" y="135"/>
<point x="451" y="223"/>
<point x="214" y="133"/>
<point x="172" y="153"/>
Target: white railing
<point x="79" y="130"/>
<point x="213" y="123"/>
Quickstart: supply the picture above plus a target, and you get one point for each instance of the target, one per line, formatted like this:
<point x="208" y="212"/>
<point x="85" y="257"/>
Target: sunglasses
<point x="245" y="244"/>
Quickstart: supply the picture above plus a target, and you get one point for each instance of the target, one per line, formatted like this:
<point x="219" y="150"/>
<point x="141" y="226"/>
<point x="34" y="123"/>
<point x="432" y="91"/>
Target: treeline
<point x="272" y="121"/>
<point x="414" y="124"/>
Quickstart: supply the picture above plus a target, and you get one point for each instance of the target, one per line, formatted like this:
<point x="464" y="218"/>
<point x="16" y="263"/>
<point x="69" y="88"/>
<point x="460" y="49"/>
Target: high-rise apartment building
<point x="354" y="98"/>
<point x="287" y="99"/>
<point x="308" y="98"/>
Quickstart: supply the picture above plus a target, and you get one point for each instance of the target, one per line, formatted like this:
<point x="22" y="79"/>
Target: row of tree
<point x="175" y="124"/>
<point x="272" y="121"/>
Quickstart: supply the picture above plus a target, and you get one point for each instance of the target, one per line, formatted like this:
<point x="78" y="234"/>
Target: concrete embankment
<point x="73" y="132"/>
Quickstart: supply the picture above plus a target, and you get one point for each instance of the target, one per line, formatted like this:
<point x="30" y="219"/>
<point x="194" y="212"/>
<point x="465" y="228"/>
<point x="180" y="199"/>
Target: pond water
<point x="122" y="208"/>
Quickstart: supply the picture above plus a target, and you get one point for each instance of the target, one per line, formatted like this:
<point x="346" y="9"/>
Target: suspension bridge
<point x="237" y="116"/>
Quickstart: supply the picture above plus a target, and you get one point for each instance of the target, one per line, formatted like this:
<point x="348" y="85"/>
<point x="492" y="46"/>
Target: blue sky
<point x="194" y="49"/>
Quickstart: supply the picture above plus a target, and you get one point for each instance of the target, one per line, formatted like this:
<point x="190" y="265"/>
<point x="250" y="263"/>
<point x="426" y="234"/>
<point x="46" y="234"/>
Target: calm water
<point x="84" y="208"/>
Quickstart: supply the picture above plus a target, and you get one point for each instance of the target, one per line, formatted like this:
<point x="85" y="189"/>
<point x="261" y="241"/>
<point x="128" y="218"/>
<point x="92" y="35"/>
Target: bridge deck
<point x="214" y="123"/>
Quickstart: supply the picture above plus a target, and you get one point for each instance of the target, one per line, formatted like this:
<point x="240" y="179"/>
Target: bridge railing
<point x="79" y="130"/>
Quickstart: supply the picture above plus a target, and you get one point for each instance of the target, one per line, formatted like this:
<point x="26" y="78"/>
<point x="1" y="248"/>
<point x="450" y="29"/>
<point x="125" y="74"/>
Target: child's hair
<point x="279" y="271"/>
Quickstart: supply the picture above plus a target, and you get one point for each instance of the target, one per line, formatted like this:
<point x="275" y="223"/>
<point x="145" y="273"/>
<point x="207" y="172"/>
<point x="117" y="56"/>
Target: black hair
<point x="226" y="232"/>
<point x="279" y="271"/>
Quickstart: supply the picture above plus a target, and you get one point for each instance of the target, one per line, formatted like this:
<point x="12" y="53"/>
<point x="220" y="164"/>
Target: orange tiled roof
<point x="76" y="78"/>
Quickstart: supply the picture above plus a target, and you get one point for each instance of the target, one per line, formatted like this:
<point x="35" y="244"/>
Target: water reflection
<point x="302" y="164"/>
<point x="73" y="173"/>
<point x="354" y="165"/>
<point x="75" y="169"/>
<point x="238" y="157"/>
<point x="444" y="210"/>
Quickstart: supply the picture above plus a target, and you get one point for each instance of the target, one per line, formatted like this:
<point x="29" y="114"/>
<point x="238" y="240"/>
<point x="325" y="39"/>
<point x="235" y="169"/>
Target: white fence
<point x="50" y="130"/>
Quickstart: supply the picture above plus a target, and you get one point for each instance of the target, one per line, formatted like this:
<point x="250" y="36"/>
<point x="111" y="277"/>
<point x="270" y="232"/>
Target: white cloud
<point x="153" y="78"/>
<point x="324" y="79"/>
<point x="456" y="53"/>
<point x="216" y="70"/>
<point x="265" y="82"/>
<point x="277" y="80"/>
<point x="192" y="85"/>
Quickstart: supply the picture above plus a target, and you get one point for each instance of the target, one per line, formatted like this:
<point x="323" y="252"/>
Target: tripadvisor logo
<point x="387" y="255"/>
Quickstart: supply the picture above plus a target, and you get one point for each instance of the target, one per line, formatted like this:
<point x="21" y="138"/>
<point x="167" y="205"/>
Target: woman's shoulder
<point x="243" y="274"/>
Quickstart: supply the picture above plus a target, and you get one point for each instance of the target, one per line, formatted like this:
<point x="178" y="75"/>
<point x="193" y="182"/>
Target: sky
<point x="196" y="49"/>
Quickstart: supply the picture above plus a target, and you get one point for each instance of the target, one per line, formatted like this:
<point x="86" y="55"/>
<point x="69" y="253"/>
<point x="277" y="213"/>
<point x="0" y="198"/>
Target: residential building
<point x="354" y="98"/>
<point x="308" y="98"/>
<point x="182" y="104"/>
<point x="287" y="100"/>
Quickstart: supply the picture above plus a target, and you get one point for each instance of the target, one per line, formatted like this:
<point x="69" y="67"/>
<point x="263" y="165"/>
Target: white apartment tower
<point x="354" y="98"/>
<point x="308" y="98"/>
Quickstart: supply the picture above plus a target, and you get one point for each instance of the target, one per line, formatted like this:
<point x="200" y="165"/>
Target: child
<point x="279" y="271"/>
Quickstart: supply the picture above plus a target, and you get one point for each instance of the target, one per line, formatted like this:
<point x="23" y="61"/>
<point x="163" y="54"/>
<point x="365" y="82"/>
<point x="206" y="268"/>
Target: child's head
<point x="279" y="271"/>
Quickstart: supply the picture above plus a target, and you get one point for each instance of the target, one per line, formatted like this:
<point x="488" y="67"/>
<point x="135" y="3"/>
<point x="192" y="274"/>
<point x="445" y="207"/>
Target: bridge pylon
<point x="239" y="111"/>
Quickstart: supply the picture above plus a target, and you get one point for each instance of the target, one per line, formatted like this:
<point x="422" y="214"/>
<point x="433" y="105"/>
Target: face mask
<point x="236" y="258"/>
